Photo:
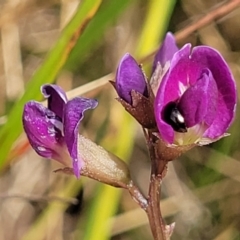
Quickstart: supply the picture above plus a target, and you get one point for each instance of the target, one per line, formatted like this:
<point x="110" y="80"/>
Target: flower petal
<point x="170" y="90"/>
<point x="73" y="114"/>
<point x="207" y="57"/>
<point x="41" y="126"/>
<point x="56" y="98"/>
<point x="199" y="102"/>
<point x="129" y="77"/>
<point x="166" y="51"/>
<point x="184" y="71"/>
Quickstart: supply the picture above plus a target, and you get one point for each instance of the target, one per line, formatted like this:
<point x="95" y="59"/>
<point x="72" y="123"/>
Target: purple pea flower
<point x="130" y="77"/>
<point x="195" y="94"/>
<point x="190" y="98"/>
<point x="53" y="131"/>
<point x="133" y="91"/>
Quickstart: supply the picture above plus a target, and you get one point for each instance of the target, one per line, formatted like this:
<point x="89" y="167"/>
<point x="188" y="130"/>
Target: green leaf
<point x="107" y="14"/>
<point x="46" y="73"/>
<point x="155" y="25"/>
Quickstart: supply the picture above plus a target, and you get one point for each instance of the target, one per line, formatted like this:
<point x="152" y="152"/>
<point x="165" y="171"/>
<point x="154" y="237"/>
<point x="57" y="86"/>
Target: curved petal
<point x="184" y="71"/>
<point x="73" y="114"/>
<point x="170" y="90"/>
<point x="56" y="98"/>
<point x="129" y="77"/>
<point x="166" y="51"/>
<point x="199" y="102"/>
<point x="207" y="57"/>
<point x="41" y="126"/>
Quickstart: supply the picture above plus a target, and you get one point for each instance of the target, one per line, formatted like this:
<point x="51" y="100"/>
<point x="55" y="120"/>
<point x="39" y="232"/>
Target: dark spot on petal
<point x="173" y="117"/>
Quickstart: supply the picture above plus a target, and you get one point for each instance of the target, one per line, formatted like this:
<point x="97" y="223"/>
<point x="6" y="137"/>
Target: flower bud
<point x="134" y="92"/>
<point x="102" y="165"/>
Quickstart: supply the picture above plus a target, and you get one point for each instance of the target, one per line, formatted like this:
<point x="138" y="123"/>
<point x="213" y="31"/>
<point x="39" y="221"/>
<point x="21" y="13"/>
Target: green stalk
<point x="155" y="25"/>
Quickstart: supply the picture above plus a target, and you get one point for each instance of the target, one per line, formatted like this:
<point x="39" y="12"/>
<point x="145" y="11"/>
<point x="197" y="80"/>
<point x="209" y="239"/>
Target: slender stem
<point x="158" y="167"/>
<point x="157" y="170"/>
<point x="153" y="211"/>
<point x="214" y="14"/>
<point x="150" y="206"/>
<point x="137" y="195"/>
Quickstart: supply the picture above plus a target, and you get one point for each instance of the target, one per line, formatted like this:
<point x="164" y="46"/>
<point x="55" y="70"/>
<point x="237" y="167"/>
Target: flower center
<point x="194" y="135"/>
<point x="173" y="117"/>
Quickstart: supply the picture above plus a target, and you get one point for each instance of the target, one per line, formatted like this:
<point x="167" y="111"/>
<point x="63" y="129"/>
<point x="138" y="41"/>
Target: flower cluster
<point x="190" y="98"/>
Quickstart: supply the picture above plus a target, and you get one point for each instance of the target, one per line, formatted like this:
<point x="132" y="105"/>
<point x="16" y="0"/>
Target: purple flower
<point x="195" y="94"/>
<point x="166" y="51"/>
<point x="133" y="91"/>
<point x="53" y="131"/>
<point x="130" y="77"/>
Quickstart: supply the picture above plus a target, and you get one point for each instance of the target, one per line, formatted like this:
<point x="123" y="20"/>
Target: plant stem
<point x="137" y="195"/>
<point x="151" y="205"/>
<point x="158" y="167"/>
<point x="153" y="211"/>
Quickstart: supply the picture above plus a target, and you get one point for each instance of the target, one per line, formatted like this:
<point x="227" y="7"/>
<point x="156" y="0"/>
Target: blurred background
<point x="78" y="44"/>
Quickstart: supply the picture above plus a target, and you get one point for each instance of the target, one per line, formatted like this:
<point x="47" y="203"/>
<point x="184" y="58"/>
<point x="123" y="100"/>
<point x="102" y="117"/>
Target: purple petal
<point x="166" y="51"/>
<point x="56" y="98"/>
<point x="199" y="102"/>
<point x="177" y="75"/>
<point x="73" y="114"/>
<point x="185" y="70"/>
<point x="129" y="77"/>
<point x="207" y="57"/>
<point x="170" y="90"/>
<point x="41" y="126"/>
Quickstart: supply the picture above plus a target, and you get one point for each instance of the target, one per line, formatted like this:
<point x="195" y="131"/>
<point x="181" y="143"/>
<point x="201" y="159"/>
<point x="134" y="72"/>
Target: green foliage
<point x="108" y="13"/>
